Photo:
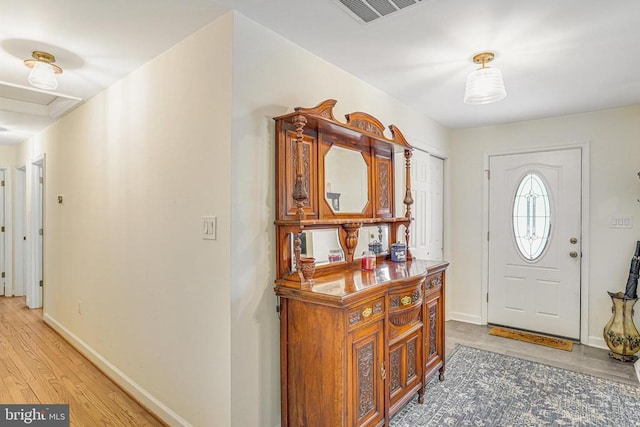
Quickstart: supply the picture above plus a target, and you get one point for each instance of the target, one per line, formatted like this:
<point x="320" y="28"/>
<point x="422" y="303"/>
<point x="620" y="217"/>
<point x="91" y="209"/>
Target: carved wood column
<point x="408" y="200"/>
<point x="300" y="192"/>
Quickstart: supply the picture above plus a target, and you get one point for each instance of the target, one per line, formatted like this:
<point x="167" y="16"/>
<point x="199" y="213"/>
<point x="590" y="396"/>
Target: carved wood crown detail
<point x="365" y="126"/>
<point x="327" y="114"/>
<point x="324" y="109"/>
<point x="361" y="122"/>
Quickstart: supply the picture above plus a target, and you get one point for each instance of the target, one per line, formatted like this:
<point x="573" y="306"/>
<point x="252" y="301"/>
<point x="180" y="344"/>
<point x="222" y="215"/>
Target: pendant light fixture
<point x="484" y="85"/>
<point x="43" y="70"/>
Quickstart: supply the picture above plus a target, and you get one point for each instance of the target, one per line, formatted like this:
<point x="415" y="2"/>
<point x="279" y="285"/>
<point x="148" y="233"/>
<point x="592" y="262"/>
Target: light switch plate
<point x="209" y="227"/>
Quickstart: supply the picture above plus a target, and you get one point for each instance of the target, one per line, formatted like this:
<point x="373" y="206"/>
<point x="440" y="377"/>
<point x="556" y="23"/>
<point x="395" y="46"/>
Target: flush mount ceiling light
<point x="484" y="85"/>
<point x="43" y="70"/>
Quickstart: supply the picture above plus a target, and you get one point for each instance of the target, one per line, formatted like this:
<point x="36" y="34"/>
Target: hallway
<point x="38" y="366"/>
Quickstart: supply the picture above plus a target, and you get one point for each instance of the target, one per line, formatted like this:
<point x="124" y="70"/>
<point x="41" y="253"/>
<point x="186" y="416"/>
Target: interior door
<point x="436" y="202"/>
<point x="535" y="241"/>
<point x="36" y="231"/>
<point x="3" y="281"/>
<point x="20" y="232"/>
<point x="39" y="243"/>
<point x="419" y="237"/>
<point x="427" y="189"/>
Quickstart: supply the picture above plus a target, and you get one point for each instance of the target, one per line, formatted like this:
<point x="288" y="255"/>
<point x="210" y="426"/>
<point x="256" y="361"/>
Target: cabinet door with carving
<point x="404" y="373"/>
<point x="434" y="333"/>
<point x="367" y="373"/>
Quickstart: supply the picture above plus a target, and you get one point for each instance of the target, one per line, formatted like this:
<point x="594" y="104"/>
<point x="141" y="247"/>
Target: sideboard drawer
<point x="365" y="313"/>
<point x="433" y="282"/>
<point x="405" y="298"/>
<point x="405" y="308"/>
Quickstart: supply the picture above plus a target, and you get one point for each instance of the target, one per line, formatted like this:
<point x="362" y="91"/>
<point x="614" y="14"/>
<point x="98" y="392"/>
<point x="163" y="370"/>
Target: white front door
<point x="535" y="242"/>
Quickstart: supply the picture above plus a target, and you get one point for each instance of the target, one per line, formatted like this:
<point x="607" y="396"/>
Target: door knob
<point x="573" y="254"/>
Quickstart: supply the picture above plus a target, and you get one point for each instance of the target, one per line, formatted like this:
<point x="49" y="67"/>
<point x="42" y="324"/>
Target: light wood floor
<point x="588" y="360"/>
<point x="38" y="366"/>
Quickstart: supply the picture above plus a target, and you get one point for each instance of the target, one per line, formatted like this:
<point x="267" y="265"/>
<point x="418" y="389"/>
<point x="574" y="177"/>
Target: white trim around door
<point x="20" y="231"/>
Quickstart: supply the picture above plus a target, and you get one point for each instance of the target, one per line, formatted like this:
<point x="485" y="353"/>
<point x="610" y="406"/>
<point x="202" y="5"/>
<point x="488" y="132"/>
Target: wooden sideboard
<point x="355" y="345"/>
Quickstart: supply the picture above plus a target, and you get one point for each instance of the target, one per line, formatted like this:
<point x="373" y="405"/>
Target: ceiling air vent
<point x="366" y="11"/>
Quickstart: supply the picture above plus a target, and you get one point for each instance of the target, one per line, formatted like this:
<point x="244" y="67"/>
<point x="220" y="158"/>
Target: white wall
<point x="271" y="76"/>
<point x="613" y="136"/>
<point x="139" y="165"/>
<point x="7" y="155"/>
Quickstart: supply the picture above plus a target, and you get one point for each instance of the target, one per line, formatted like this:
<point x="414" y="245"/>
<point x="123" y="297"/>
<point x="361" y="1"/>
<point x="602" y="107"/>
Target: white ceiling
<point x="557" y="57"/>
<point x="96" y="42"/>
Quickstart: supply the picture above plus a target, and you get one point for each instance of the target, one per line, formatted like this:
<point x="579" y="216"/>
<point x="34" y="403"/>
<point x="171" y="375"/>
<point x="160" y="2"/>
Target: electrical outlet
<point x="621" y="222"/>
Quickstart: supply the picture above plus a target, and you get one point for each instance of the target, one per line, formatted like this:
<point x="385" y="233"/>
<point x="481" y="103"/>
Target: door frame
<point x="36" y="207"/>
<point x="20" y="228"/>
<point x="7" y="236"/>
<point x="584" y="208"/>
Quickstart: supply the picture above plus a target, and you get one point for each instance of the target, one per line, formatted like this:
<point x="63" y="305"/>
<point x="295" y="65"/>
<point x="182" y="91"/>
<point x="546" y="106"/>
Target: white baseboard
<point x="467" y="318"/>
<point x="597" y="342"/>
<point x="134" y="389"/>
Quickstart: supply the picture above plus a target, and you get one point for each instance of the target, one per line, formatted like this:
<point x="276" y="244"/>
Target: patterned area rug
<point x="490" y="389"/>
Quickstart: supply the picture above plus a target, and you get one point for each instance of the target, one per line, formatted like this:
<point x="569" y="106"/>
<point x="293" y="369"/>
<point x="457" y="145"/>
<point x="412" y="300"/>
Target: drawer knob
<point x="367" y="312"/>
<point x="406" y="300"/>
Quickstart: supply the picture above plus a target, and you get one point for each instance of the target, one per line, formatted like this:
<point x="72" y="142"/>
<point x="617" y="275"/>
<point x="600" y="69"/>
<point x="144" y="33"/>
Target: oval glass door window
<point x="531" y="217"/>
